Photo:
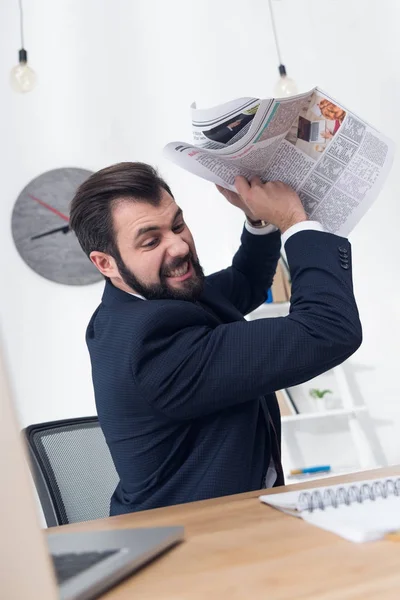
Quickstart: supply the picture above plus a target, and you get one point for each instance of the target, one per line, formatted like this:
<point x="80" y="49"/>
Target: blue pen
<point x="307" y="470"/>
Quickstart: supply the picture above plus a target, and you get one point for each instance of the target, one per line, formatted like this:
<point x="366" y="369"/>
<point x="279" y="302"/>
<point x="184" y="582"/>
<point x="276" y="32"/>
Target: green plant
<point x="315" y="393"/>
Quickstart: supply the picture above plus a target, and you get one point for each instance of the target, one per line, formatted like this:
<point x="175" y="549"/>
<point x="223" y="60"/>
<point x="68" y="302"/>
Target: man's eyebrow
<point x="178" y="213"/>
<point x="144" y="230"/>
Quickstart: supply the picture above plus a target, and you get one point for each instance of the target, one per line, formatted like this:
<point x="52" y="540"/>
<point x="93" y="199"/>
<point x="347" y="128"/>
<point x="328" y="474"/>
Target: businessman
<point x="184" y="385"/>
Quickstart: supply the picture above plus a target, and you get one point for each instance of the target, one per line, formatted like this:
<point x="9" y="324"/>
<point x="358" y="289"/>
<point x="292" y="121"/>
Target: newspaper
<point x="335" y="161"/>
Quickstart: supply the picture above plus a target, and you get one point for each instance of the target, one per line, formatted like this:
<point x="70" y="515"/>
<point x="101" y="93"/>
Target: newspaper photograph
<point x="335" y="161"/>
<point x="224" y="125"/>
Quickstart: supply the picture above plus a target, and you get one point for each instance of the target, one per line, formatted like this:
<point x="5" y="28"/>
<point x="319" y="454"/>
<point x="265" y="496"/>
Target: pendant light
<point x="22" y="77"/>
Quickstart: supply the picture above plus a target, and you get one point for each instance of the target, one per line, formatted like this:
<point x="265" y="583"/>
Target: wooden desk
<point x="238" y="548"/>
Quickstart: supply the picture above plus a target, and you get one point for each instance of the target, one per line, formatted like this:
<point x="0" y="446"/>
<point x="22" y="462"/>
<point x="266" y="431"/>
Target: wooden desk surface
<point x="238" y="548"/>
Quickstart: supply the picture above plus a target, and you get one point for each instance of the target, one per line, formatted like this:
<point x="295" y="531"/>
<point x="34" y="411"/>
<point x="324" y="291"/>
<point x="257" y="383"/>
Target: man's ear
<point x="105" y="264"/>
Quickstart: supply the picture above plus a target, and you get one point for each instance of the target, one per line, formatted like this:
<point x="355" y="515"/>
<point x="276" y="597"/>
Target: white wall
<point x="115" y="83"/>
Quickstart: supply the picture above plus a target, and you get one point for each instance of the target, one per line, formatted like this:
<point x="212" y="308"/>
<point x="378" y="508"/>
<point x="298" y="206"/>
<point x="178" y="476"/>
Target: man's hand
<point x="237" y="201"/>
<point x="234" y="124"/>
<point x="273" y="202"/>
<point x="327" y="134"/>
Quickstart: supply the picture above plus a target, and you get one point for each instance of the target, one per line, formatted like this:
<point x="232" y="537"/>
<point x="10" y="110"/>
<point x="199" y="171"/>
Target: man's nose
<point x="177" y="247"/>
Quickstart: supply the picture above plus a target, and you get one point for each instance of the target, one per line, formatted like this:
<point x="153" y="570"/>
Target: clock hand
<point x="51" y="208"/>
<point x="64" y="229"/>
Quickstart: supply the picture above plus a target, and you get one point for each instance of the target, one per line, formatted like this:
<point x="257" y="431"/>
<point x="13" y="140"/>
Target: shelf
<point x="334" y="412"/>
<point x="270" y="309"/>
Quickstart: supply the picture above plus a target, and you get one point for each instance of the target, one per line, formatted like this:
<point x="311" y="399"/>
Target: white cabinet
<point x="314" y="430"/>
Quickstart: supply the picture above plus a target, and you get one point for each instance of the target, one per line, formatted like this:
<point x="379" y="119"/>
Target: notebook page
<point x="288" y="501"/>
<point x="359" y="522"/>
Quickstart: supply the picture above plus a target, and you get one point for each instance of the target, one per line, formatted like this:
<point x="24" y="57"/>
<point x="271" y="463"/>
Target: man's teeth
<point x="179" y="272"/>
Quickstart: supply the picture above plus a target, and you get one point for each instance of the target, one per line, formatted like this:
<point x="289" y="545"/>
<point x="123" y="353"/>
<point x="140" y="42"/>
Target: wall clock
<point x="41" y="232"/>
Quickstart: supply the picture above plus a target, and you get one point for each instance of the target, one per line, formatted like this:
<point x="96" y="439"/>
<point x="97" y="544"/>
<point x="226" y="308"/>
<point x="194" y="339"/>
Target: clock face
<point x="40" y="228"/>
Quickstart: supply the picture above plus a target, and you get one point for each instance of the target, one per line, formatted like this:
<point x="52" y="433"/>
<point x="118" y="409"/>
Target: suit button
<point x="342" y="248"/>
<point x="345" y="265"/>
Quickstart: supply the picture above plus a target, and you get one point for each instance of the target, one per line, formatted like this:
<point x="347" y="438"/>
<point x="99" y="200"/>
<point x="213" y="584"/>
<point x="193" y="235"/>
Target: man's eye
<point x="151" y="243"/>
<point x="178" y="228"/>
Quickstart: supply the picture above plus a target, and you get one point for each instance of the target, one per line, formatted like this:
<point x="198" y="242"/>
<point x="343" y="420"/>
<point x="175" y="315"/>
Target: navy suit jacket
<point x="180" y="386"/>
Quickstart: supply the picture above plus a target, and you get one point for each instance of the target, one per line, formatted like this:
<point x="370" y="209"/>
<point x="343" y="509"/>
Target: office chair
<point x="72" y="469"/>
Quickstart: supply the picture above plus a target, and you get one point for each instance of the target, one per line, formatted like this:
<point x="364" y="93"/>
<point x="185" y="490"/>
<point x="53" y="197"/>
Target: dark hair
<point x="91" y="207"/>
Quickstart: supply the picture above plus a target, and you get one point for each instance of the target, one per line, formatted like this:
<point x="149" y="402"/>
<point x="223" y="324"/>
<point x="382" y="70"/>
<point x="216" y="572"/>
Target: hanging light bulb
<point x="285" y="86"/>
<point x="22" y="77"/>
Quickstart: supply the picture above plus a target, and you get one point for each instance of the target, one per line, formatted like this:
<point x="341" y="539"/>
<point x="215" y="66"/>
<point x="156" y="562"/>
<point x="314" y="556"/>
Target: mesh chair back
<point x="73" y="470"/>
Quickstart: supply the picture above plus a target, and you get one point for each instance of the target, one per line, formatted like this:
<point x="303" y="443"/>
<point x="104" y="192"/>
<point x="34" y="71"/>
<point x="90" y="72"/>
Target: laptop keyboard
<point x="314" y="132"/>
<point x="70" y="564"/>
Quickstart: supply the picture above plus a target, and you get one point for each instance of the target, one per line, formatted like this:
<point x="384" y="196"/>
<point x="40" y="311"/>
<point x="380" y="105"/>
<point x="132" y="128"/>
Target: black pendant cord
<point x="281" y="67"/>
<point x="21" y="22"/>
<point x="22" y="53"/>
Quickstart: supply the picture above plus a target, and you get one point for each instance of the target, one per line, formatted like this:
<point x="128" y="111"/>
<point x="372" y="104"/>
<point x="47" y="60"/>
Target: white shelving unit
<point x="270" y="309"/>
<point x="368" y="449"/>
<point x="333" y="412"/>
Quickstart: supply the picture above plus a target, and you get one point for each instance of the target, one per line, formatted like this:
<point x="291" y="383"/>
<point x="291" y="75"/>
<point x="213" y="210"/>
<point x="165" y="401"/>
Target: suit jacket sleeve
<point x="186" y="369"/>
<point x="247" y="281"/>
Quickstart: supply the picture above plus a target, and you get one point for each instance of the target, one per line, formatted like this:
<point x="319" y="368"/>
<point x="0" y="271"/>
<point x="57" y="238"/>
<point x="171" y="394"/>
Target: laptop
<point x="70" y="566"/>
<point x="310" y="131"/>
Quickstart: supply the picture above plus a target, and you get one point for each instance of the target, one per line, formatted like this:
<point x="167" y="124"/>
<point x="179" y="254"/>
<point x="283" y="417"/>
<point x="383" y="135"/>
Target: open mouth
<point x="182" y="272"/>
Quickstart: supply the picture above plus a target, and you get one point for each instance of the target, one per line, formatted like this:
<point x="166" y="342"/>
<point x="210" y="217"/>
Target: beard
<point x="190" y="289"/>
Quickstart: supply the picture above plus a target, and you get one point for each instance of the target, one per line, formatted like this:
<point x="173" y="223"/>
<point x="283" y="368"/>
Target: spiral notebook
<point x="361" y="511"/>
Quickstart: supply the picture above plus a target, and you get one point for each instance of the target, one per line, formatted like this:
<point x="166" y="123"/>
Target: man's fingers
<point x="256" y="181"/>
<point x="242" y="186"/>
<point x="226" y="193"/>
